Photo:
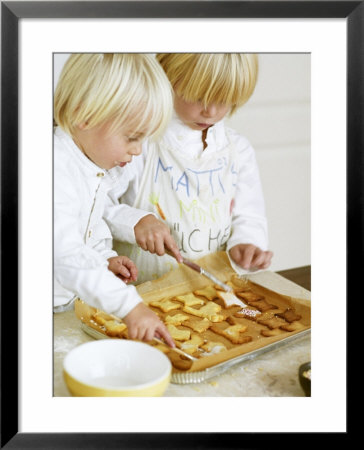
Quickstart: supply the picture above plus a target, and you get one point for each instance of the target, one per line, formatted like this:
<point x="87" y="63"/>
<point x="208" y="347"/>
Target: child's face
<point x="108" y="150"/>
<point x="196" y="116"/>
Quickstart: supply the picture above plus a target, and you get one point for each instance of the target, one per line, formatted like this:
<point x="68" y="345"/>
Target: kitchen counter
<point x="272" y="374"/>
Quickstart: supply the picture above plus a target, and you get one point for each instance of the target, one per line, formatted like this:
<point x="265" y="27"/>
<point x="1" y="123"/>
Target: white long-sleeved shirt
<point x="247" y="219"/>
<point x="82" y="239"/>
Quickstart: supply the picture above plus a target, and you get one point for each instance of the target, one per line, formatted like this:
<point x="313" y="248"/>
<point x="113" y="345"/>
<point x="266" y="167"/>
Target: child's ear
<point x="82" y="126"/>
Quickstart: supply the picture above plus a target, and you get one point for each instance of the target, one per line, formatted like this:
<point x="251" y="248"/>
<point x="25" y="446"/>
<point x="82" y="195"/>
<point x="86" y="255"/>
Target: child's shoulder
<point x="241" y="142"/>
<point x="61" y="152"/>
<point x="63" y="157"/>
<point x="58" y="143"/>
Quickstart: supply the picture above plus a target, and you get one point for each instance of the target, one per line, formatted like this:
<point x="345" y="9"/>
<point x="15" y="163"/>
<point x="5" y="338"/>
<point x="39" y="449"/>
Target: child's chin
<point x="201" y="126"/>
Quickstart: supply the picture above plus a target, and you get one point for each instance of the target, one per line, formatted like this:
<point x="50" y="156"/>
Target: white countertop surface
<point x="272" y="374"/>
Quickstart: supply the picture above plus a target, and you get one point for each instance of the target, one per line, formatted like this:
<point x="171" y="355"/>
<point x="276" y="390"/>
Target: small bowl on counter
<point x="304" y="374"/>
<point x="116" y="368"/>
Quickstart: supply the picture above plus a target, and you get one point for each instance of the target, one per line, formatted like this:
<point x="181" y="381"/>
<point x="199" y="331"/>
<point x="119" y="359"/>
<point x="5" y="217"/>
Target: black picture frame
<point x="11" y="13"/>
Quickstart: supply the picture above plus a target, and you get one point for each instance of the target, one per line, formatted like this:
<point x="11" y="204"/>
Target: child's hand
<point x="123" y="268"/>
<point x="144" y="325"/>
<point x="250" y="257"/>
<point x="153" y="235"/>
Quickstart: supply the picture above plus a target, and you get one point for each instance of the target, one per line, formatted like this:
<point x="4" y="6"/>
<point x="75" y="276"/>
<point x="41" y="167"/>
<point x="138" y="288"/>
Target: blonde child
<point x="201" y="177"/>
<point x="104" y="106"/>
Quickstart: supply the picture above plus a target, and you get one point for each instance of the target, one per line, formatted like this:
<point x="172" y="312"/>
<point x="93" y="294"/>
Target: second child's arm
<point x="79" y="268"/>
<point x="144" y="324"/>
<point x="247" y="245"/>
<point x="154" y="236"/>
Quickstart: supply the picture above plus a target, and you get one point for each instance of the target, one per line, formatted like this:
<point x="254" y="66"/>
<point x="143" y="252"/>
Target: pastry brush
<point x="207" y="274"/>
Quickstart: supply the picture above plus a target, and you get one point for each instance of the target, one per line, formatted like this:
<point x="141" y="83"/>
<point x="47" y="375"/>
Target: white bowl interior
<point x="117" y="364"/>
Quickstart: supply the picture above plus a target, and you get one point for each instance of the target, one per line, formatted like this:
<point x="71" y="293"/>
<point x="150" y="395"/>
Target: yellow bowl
<point x="116" y="368"/>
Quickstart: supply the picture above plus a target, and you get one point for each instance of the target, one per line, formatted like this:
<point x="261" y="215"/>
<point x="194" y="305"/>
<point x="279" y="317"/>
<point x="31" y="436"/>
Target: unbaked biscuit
<point x="289" y="315"/>
<point x="208" y="292"/>
<point x="176" y="320"/>
<point x="273" y="322"/>
<point x="269" y="333"/>
<point x="179" y="362"/>
<point x="114" y="328"/>
<point x="229" y="299"/>
<point x="189" y="300"/>
<point x="213" y="347"/>
<point x="294" y="326"/>
<point x="192" y="345"/>
<point x="198" y="325"/>
<point x="262" y="305"/>
<point x="100" y="317"/>
<point x="165" y="305"/>
<point x="177" y="334"/>
<point x="233" y="333"/>
<point x="249" y="296"/>
<point x="209" y="311"/>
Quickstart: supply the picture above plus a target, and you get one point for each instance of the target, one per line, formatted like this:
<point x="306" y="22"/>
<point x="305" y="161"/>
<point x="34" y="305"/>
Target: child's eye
<point x="133" y="139"/>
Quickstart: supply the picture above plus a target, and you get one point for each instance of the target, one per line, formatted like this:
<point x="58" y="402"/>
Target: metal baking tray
<point x="218" y="369"/>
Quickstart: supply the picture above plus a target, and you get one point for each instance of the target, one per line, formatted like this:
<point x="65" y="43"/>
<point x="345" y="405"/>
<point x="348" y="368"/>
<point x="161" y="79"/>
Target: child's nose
<point x="210" y="110"/>
<point x="137" y="149"/>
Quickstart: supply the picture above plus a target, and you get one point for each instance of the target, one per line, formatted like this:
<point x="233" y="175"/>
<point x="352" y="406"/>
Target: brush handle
<point x="175" y="349"/>
<point x="209" y="275"/>
<point x="192" y="265"/>
<point x="204" y="272"/>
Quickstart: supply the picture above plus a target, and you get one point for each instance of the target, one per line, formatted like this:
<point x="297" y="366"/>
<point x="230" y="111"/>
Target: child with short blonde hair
<point x="104" y="106"/>
<point x="201" y="177"/>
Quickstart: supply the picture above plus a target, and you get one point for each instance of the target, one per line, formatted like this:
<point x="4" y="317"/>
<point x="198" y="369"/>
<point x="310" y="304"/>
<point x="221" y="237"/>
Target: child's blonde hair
<point x="225" y="78"/>
<point x="123" y="90"/>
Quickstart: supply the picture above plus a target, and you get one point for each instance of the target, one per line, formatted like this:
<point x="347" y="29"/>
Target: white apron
<point x="194" y="197"/>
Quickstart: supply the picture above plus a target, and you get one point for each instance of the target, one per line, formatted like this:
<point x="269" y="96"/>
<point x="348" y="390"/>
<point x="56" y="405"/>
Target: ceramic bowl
<point x="304" y="374"/>
<point x="116" y="368"/>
